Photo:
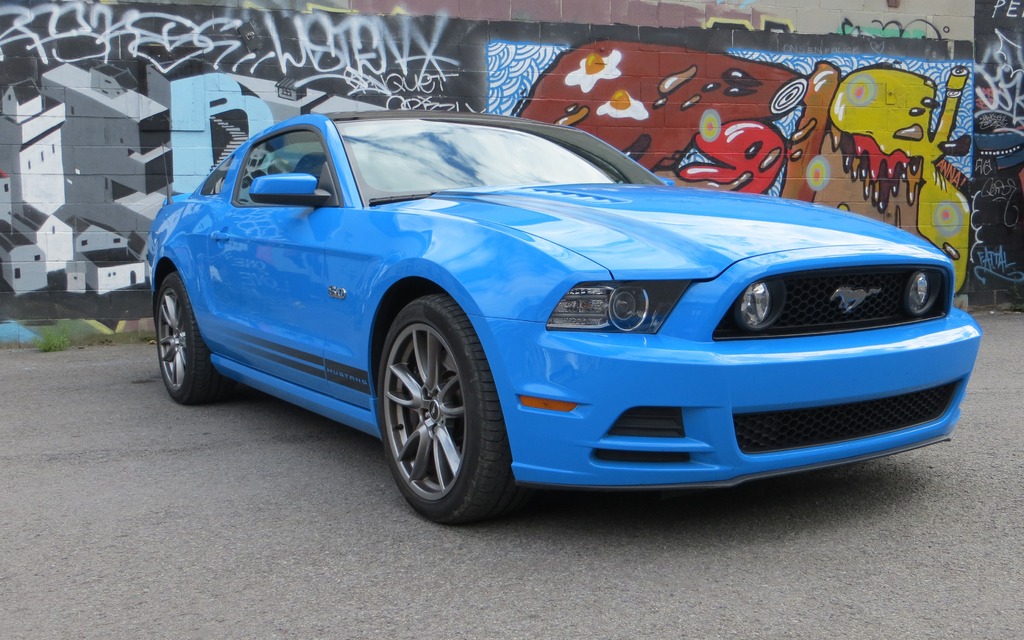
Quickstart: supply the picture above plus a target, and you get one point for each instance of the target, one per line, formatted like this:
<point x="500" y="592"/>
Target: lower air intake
<point x="780" y="430"/>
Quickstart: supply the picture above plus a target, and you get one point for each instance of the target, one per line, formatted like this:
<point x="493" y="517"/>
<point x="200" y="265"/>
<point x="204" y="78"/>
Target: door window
<point x="299" y="151"/>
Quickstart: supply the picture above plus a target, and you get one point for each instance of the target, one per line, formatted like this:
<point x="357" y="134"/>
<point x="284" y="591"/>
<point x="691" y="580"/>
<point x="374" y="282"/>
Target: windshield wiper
<point x="400" y="198"/>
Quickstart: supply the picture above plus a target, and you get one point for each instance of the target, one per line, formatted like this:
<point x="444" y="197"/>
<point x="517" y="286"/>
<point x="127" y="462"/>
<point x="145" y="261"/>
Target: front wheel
<point x="440" y="417"/>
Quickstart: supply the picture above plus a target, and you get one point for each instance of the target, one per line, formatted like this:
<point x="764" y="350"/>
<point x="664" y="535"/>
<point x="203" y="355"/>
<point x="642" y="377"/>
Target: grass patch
<point x="56" y="338"/>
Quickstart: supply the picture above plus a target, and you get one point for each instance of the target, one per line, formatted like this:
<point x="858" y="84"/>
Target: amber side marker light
<point x="546" y="403"/>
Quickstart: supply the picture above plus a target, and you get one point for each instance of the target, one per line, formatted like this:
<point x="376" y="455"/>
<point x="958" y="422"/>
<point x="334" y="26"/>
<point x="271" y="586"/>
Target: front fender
<point x="490" y="270"/>
<point x="179" y="236"/>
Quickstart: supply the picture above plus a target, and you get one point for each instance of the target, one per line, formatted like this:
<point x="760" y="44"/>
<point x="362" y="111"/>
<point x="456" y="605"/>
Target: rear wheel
<point x="440" y="418"/>
<point x="184" y="358"/>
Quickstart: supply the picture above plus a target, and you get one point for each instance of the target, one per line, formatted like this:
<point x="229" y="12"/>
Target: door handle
<point x="220" y="236"/>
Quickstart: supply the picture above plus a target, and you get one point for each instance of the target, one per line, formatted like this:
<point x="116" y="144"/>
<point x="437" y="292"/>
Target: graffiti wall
<point x="884" y="137"/>
<point x="997" y="254"/>
<point x="107" y="108"/>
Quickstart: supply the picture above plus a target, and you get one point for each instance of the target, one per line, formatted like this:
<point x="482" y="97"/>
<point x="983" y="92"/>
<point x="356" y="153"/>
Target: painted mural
<point x="882" y="137"/>
<point x="106" y="109"/>
<point x="997" y="199"/>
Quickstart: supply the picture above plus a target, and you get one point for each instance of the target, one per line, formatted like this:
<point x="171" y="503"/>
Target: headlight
<point x="922" y="291"/>
<point x="628" y="308"/>
<point x="759" y="306"/>
<point x="625" y="307"/>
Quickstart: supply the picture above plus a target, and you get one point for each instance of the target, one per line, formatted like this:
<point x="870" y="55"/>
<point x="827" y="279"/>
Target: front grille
<point x="780" y="430"/>
<point x="806" y="299"/>
<point x="812" y="305"/>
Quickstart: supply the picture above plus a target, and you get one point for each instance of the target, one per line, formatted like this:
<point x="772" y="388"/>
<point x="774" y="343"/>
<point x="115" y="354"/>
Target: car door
<point x="267" y="275"/>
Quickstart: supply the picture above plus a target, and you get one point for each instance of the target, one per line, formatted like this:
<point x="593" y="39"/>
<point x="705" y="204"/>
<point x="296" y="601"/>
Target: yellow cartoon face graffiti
<point x="882" y="127"/>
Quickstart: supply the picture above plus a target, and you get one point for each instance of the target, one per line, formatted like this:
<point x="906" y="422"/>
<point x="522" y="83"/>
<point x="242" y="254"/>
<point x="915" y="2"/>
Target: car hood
<point x="634" y="229"/>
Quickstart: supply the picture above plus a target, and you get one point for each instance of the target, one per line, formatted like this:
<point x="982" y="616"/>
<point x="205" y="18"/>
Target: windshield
<point x="398" y="159"/>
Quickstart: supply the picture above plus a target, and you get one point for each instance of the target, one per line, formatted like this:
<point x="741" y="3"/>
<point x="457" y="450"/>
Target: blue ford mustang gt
<point x="510" y="305"/>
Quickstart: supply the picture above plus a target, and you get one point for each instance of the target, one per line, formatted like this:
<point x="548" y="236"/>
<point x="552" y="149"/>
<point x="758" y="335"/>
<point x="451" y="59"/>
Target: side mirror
<point x="299" y="189"/>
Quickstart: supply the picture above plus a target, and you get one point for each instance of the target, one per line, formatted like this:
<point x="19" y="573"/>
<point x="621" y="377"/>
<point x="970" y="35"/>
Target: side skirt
<point x="337" y="410"/>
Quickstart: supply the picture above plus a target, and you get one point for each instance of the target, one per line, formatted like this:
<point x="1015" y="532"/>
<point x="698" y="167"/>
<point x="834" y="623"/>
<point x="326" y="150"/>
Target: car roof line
<point x="414" y="114"/>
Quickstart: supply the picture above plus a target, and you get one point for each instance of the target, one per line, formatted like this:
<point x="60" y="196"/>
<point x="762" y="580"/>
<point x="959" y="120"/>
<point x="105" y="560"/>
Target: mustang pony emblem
<point x="850" y="298"/>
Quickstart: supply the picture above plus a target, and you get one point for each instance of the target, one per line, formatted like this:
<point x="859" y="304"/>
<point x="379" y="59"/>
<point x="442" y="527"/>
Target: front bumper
<point x="610" y="374"/>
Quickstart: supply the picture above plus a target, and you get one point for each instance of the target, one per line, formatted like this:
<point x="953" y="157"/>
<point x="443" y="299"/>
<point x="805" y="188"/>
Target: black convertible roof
<point x="507" y="122"/>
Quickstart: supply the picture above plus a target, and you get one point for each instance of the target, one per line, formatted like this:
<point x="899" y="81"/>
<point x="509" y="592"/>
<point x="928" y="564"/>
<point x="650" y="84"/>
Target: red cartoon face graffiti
<point x="744" y="155"/>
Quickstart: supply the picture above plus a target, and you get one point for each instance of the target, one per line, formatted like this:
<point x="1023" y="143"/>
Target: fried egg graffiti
<point x="622" y="105"/>
<point x="593" y="68"/>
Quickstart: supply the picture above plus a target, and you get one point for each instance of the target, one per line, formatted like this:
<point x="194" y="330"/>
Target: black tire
<point x="184" y="358"/>
<point x="440" y="418"/>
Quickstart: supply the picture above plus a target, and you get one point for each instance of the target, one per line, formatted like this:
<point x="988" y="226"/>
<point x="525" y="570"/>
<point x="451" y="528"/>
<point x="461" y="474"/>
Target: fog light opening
<point x="759" y="306"/>
<point x="920" y="294"/>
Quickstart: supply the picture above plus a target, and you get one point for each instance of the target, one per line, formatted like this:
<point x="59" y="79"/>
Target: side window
<point x="215" y="183"/>
<point x="298" y="151"/>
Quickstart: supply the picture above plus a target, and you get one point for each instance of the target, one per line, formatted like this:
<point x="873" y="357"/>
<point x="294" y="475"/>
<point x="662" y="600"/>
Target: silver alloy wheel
<point x="424" y="413"/>
<point x="172" y="339"/>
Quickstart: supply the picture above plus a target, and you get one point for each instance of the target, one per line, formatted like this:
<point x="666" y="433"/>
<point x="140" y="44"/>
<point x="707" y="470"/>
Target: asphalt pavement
<point x="125" y="515"/>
